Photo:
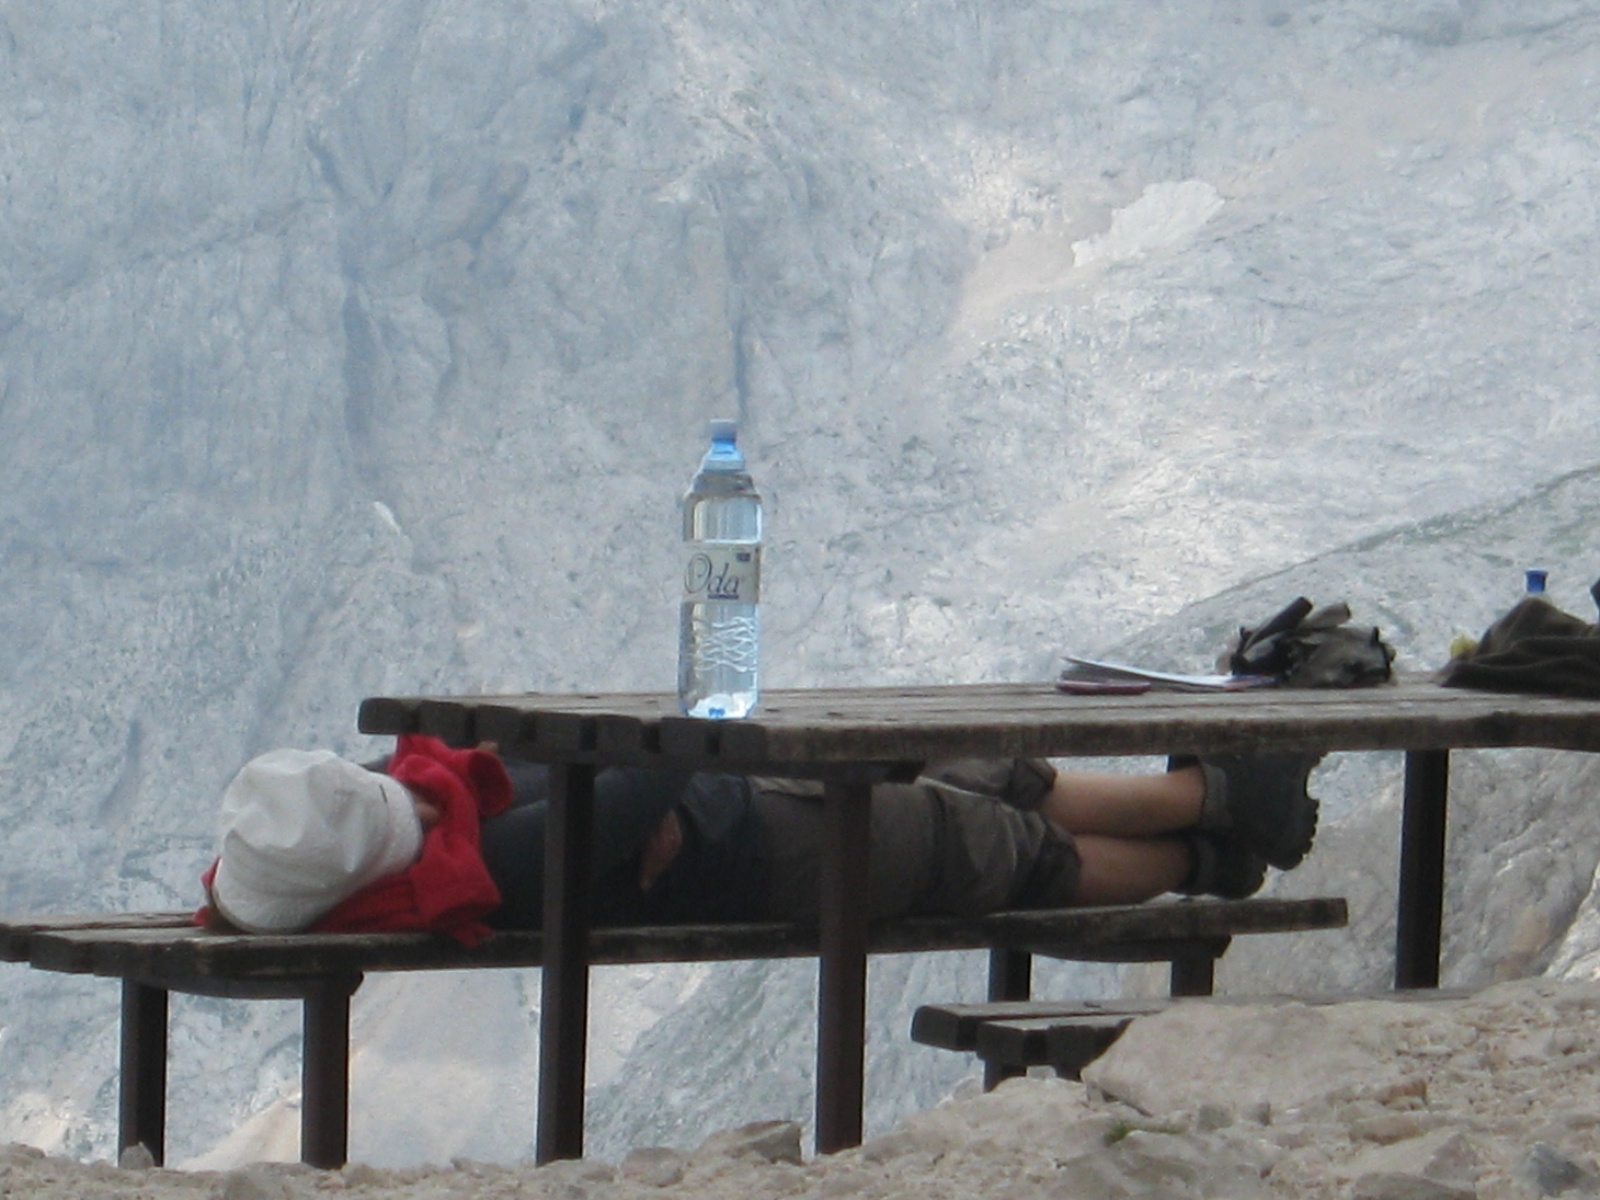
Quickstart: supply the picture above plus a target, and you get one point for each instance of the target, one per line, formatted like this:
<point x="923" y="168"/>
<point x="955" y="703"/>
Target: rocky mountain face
<point x="364" y="347"/>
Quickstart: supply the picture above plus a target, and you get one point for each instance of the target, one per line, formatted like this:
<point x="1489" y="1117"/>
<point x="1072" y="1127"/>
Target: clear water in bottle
<point x="719" y="631"/>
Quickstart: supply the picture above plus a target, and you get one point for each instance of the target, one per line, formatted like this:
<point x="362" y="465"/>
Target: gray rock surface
<point x="363" y="347"/>
<point x="1490" y="1098"/>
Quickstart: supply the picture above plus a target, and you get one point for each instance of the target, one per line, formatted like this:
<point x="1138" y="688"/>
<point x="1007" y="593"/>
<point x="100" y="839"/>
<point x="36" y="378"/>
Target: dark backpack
<point x="1536" y="647"/>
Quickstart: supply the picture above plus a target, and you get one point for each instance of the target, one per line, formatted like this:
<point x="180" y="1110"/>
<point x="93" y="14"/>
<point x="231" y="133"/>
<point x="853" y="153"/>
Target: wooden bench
<point x="1067" y="1035"/>
<point x="154" y="954"/>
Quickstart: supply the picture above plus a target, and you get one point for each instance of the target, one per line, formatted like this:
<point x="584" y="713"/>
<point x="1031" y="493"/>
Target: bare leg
<point x="1125" y="806"/>
<point x="1129" y="870"/>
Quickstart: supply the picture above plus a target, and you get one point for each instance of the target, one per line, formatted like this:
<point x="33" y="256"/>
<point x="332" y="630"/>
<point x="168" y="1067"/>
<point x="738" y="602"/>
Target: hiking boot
<point x="1223" y="867"/>
<point x="1261" y="799"/>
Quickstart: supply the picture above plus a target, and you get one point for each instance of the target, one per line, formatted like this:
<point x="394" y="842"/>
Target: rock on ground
<point x="1494" y="1097"/>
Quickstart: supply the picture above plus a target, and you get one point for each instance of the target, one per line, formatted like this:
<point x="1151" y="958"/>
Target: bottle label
<point x="722" y="571"/>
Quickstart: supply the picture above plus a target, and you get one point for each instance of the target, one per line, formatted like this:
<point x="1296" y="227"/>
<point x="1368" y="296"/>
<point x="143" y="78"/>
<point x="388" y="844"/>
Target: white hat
<point x="302" y="830"/>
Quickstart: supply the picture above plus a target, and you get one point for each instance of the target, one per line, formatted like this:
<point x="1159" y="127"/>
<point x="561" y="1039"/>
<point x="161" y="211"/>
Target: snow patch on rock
<point x="1164" y="215"/>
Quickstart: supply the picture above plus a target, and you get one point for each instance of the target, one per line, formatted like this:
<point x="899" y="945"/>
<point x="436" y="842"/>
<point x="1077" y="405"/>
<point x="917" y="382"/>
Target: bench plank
<point x="1085" y="928"/>
<point x="167" y="947"/>
<point x="955" y="1026"/>
<point x="16" y="935"/>
<point x="1066" y="1045"/>
<point x="1069" y="1034"/>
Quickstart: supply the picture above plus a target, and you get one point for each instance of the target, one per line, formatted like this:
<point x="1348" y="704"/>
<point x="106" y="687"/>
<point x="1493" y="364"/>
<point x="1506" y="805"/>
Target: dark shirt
<point x="718" y="875"/>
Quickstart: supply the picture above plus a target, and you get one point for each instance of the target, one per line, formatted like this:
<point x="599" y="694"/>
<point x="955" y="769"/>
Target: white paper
<point x="1088" y="668"/>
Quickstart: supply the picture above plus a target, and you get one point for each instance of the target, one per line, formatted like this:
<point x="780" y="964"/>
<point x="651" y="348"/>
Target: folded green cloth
<point x="1533" y="648"/>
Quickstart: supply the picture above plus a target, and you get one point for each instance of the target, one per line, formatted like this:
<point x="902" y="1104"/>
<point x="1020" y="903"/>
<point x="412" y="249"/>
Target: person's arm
<point x="634" y="843"/>
<point x="661" y="849"/>
<point x="211" y="918"/>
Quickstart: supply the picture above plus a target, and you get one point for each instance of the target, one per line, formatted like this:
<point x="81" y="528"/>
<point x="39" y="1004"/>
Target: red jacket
<point x="448" y="888"/>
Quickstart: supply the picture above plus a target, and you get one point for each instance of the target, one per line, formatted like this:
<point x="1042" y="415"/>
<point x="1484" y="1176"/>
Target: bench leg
<point x="564" y="1007"/>
<point x="1194" y="975"/>
<point x="1422" y="836"/>
<point x="325" y="1073"/>
<point x="1010" y="978"/>
<point x="142" y="1101"/>
<point x="842" y="967"/>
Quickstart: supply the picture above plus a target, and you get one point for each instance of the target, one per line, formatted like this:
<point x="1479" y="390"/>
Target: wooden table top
<point x="840" y="726"/>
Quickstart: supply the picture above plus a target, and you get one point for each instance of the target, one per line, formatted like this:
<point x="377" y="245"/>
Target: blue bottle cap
<point x="724" y="430"/>
<point x="1536" y="579"/>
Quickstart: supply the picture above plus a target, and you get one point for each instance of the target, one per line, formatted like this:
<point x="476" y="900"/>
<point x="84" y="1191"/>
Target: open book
<point x="1091" y="676"/>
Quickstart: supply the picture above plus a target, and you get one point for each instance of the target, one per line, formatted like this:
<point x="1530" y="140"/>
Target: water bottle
<point x="719" y="628"/>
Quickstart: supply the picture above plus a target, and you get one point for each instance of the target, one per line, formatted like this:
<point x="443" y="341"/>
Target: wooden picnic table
<point x="851" y="738"/>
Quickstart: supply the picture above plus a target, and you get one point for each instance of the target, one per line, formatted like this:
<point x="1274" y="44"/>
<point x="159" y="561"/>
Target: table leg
<point x="564" y="1007"/>
<point x="142" y="1103"/>
<point x="842" y="968"/>
<point x="1420" y="911"/>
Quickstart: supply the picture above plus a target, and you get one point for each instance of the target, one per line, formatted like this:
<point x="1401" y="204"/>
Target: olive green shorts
<point x="964" y="838"/>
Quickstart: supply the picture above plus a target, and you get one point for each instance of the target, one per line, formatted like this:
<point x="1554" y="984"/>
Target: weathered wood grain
<point x="16" y="935"/>
<point x="955" y="1026"/>
<point x="1067" y="1034"/>
<point x="1086" y="928"/>
<point x="862" y="725"/>
<point x="1068" y="1046"/>
<point x="167" y="949"/>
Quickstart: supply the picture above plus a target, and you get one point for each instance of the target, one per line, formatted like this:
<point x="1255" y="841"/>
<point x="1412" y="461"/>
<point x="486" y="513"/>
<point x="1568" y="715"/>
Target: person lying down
<point x="439" y="838"/>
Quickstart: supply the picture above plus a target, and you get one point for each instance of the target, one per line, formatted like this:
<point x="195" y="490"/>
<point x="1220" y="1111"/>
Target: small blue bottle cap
<point x="1536" y="580"/>
<point x="724" y="430"/>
